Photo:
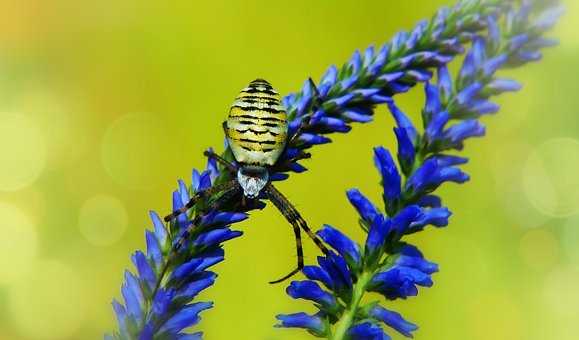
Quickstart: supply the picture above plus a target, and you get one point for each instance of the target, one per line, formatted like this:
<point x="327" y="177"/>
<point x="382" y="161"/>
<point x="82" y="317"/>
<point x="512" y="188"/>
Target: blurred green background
<point x="105" y="104"/>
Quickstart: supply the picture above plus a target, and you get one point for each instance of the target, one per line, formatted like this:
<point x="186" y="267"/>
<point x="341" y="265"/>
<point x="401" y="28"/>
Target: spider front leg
<point x="295" y="219"/>
<point x="198" y="196"/>
<point x="229" y="192"/>
<point x="228" y="165"/>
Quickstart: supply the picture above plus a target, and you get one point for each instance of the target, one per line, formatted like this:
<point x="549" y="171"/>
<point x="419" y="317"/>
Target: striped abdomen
<point x="256" y="127"/>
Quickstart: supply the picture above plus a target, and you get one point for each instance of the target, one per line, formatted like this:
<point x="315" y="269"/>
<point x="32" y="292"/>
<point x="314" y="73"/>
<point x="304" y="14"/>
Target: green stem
<point x="347" y="318"/>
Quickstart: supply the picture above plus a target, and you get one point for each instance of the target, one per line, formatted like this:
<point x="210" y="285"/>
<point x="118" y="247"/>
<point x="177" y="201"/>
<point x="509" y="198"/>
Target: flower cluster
<point x="385" y="263"/>
<point x="158" y="299"/>
<point x="349" y="94"/>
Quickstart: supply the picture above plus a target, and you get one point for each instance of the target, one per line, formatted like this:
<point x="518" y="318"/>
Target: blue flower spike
<point x="384" y="263"/>
<point x="159" y="297"/>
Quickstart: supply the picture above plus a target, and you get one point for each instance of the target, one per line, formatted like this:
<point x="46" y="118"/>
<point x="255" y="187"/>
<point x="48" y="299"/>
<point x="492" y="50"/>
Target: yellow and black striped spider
<point x="257" y="133"/>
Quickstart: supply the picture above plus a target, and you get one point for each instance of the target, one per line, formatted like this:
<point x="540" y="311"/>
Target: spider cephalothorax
<point x="257" y="133"/>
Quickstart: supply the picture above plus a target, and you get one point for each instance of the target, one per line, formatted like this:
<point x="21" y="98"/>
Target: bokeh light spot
<point x="561" y="293"/>
<point x="539" y="249"/>
<point x="22" y="151"/>
<point x="103" y="220"/>
<point x="18" y="243"/>
<point x="495" y="316"/>
<point x="47" y="304"/>
<point x="507" y="165"/>
<point x="136" y="149"/>
<point x="570" y="240"/>
<point x="566" y="30"/>
<point x="550" y="178"/>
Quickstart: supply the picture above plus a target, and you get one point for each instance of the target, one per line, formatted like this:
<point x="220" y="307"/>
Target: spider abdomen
<point x="256" y="127"/>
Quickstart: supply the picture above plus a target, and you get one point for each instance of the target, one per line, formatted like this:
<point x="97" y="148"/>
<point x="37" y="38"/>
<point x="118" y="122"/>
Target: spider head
<point x="252" y="179"/>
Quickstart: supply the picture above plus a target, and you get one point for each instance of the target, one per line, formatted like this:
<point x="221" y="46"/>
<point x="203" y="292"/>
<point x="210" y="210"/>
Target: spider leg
<point x="300" y="254"/>
<point x="228" y="165"/>
<point x="227" y="195"/>
<point x="184" y="236"/>
<point x="200" y="195"/>
<point x="296" y="220"/>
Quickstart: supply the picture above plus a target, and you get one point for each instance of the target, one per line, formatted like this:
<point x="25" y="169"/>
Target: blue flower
<point x="367" y="331"/>
<point x="393" y="320"/>
<point x="313" y="323"/>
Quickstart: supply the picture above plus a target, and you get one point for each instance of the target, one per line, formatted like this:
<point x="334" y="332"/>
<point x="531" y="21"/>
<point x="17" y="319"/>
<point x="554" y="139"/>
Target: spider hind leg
<point x="295" y="219"/>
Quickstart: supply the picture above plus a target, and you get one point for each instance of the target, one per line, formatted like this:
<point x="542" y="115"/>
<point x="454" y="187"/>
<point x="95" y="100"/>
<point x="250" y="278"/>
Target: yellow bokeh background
<point x="105" y="104"/>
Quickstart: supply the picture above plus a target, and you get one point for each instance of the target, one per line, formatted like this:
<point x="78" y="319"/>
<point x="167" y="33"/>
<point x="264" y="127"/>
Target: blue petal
<point x="330" y="76"/>
<point x="183" y="191"/>
<point x="394" y="320"/>
<point x="402" y="121"/>
<point x="431" y="175"/>
<point x="312" y="323"/>
<point x="121" y="314"/>
<point x="311" y="139"/>
<point x="437" y="217"/>
<point x="465" y="96"/>
<point x="204" y="181"/>
<point x="406" y="149"/>
<point x="430" y="201"/>
<point x="356" y="61"/>
<point x="417" y="263"/>
<point x="160" y="231"/>
<point x="186" y="317"/>
<point x="196" y="179"/>
<point x="367" y="331"/>
<point x="402" y="221"/>
<point x="498" y="86"/>
<point x="358" y="114"/>
<point x="368" y="55"/>
<point x="433" y="103"/>
<point x="190" y="291"/>
<point x="133" y="296"/>
<point x="310" y="290"/>
<point x="492" y="65"/>
<point x="146" y="273"/>
<point x="342" y="244"/>
<point x="224" y="218"/>
<point x="377" y="234"/>
<point x="316" y="273"/>
<point x="343" y="100"/>
<point x="153" y="249"/>
<point x="162" y="301"/>
<point x="365" y="208"/>
<point x="380" y="60"/>
<point x="337" y="269"/>
<point x="334" y="124"/>
<point x="215" y="237"/>
<point x="390" y="176"/>
<point x="436" y="125"/>
<point x="457" y="133"/>
<point x="445" y="84"/>
<point x="448" y="160"/>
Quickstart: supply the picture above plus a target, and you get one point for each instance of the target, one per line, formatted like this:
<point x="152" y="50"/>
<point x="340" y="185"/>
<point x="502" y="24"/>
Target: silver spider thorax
<point x="252" y="179"/>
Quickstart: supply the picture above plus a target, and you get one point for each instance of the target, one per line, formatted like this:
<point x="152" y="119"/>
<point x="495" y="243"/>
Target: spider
<point x="257" y="133"/>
